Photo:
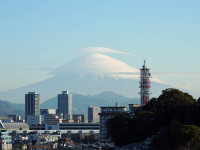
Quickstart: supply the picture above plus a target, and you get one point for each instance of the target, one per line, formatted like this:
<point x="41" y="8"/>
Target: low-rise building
<point x="16" y="126"/>
<point x="134" y="107"/>
<point x="52" y="122"/>
<point x="78" y="118"/>
<point x="5" y="138"/>
<point x="47" y="111"/>
<point x="34" y="119"/>
<point x="15" y="118"/>
<point x="37" y="127"/>
<point x="44" y="112"/>
<point x="79" y="126"/>
<point x="6" y="119"/>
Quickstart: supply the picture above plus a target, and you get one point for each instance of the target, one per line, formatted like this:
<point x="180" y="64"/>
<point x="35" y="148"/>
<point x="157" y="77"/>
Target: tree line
<point x="174" y="117"/>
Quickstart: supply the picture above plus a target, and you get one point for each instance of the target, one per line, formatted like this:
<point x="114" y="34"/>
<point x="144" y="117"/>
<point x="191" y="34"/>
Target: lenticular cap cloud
<point x="102" y="50"/>
<point x="100" y="65"/>
<point x="97" y="64"/>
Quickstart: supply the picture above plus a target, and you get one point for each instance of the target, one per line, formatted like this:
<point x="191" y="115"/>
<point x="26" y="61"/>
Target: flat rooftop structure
<point x="32" y="93"/>
<point x="79" y="126"/>
<point x="113" y="107"/>
<point x="134" y="105"/>
<point x="61" y="131"/>
<point x="16" y="126"/>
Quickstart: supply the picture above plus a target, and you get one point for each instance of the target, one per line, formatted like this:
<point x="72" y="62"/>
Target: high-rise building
<point x="93" y="114"/>
<point x="65" y="104"/>
<point x="32" y="104"/>
<point x="145" y="84"/>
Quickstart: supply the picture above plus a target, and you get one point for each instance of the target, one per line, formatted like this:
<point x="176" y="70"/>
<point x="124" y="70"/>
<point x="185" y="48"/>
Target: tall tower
<point x="65" y="104"/>
<point x="32" y="104"/>
<point x="145" y="84"/>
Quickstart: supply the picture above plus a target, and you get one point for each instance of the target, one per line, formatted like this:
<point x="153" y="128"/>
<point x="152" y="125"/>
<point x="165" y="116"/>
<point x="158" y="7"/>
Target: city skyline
<point x="38" y="37"/>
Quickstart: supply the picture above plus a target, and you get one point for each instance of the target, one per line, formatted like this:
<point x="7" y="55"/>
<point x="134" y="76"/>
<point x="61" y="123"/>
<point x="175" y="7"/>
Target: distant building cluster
<point x="61" y="119"/>
<point x="52" y="125"/>
<point x="53" y="119"/>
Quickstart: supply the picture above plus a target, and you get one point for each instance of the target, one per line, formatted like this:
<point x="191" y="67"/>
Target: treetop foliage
<point x="173" y="97"/>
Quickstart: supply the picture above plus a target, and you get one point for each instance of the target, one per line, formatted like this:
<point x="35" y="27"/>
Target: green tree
<point x="173" y="116"/>
<point x="198" y="102"/>
<point x="178" y="136"/>
<point x="143" y="125"/>
<point x="151" y="105"/>
<point x="118" y="129"/>
<point x="185" y="136"/>
<point x="174" y="97"/>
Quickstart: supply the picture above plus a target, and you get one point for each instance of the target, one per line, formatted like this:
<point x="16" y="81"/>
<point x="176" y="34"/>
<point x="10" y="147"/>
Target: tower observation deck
<point x="144" y="84"/>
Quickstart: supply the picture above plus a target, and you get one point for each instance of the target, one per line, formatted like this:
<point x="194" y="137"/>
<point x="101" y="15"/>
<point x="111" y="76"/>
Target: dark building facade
<point x="32" y="104"/>
<point x="93" y="114"/>
<point x="65" y="104"/>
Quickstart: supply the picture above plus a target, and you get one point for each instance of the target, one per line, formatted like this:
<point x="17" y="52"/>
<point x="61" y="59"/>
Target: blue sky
<point x="38" y="36"/>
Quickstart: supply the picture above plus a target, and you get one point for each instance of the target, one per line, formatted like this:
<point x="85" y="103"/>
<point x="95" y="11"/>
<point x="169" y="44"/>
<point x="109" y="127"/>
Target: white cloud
<point x="189" y="86"/>
<point x="103" y="50"/>
<point x="183" y="80"/>
<point x="155" y="79"/>
<point x="177" y="74"/>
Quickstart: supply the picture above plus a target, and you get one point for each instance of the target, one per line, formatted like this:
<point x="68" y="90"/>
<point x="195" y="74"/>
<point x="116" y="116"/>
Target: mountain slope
<point x="7" y="108"/>
<point x="80" y="102"/>
<point x="90" y="74"/>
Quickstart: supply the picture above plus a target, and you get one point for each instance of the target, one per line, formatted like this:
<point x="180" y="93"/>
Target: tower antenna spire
<point x="145" y="84"/>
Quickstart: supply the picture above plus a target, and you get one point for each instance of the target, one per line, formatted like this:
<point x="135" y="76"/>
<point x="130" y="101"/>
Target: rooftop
<point x="16" y="126"/>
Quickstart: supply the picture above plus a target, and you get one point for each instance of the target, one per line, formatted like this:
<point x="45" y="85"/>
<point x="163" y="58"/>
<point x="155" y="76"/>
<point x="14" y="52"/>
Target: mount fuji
<point x="88" y="75"/>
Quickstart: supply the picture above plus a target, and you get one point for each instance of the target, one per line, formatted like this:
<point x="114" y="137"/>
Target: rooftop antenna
<point x="144" y="66"/>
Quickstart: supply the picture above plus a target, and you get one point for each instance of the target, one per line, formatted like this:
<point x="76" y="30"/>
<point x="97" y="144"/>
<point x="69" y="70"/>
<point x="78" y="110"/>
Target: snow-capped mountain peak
<point x="99" y="65"/>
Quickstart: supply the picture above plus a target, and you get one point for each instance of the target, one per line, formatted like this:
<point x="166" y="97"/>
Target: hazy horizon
<point x="38" y="37"/>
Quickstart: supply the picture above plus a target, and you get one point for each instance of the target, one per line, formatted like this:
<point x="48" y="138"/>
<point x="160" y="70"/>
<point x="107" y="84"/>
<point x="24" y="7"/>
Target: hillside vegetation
<point x="173" y="117"/>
